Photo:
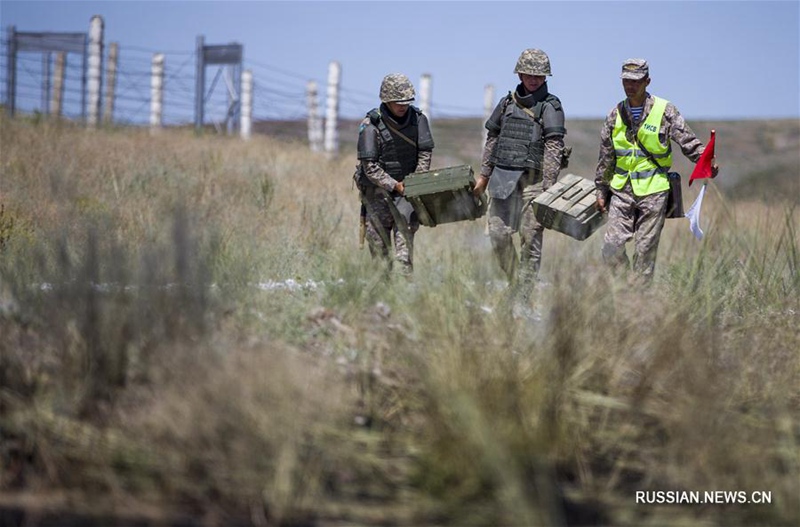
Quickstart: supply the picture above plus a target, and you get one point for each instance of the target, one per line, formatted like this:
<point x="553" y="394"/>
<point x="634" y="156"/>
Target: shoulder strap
<point x="554" y="101"/>
<point x="399" y="134"/>
<point x="623" y="115"/>
<point x="377" y="120"/>
<point x="536" y="113"/>
<point x="374" y="116"/>
<point x="507" y="100"/>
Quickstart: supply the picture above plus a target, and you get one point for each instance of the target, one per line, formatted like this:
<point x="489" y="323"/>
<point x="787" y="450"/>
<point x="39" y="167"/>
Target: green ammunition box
<point x="444" y="195"/>
<point x="569" y="207"/>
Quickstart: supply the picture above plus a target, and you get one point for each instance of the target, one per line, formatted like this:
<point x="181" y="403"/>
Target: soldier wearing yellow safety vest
<point x="631" y="185"/>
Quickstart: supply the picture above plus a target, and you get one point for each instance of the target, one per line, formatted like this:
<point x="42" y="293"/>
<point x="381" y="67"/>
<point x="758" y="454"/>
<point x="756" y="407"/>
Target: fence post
<point x="199" y="84"/>
<point x="332" y="109"/>
<point x="11" y="70"/>
<point x="111" y="82"/>
<point x="46" y="59"/>
<point x="425" y="94"/>
<point x="234" y="98"/>
<point x="156" y="92"/>
<point x="95" y="69"/>
<point x="488" y="106"/>
<point x="58" y="84"/>
<point x="314" y="121"/>
<point x="247" y="104"/>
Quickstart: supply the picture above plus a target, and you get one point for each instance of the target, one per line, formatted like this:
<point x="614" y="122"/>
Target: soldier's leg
<point x="502" y="225"/>
<point x="404" y="245"/>
<point x="619" y="230"/>
<point x="649" y="224"/>
<point x="531" y="236"/>
<point x="379" y="228"/>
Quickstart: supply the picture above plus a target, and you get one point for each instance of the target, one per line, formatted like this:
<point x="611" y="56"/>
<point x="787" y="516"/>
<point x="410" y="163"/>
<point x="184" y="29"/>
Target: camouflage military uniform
<point x="515" y="213"/>
<point x="389" y="148"/>
<point x="632" y="216"/>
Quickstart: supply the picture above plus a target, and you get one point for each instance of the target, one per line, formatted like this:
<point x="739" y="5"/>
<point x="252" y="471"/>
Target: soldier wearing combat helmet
<point x="394" y="140"/>
<point x="632" y="185"/>
<point x="522" y="158"/>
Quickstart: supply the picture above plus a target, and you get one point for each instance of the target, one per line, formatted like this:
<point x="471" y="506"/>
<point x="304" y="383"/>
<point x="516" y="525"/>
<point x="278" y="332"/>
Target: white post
<point x="425" y="94"/>
<point x="95" y="69"/>
<point x="314" y="120"/>
<point x="58" y="84"/>
<point x="156" y="92"/>
<point x="488" y="107"/>
<point x="111" y="81"/>
<point x="332" y="109"/>
<point x="246" y="118"/>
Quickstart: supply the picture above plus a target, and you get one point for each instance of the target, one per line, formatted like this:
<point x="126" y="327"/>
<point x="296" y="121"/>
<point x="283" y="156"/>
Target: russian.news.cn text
<point x="706" y="497"/>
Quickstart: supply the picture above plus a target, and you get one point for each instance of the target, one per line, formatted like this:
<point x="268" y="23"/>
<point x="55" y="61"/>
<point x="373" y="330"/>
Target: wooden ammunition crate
<point x="444" y="195"/>
<point x="569" y="207"/>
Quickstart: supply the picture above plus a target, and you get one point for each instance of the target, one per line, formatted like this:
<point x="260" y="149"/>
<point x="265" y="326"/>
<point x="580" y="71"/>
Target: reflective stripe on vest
<point x="632" y="163"/>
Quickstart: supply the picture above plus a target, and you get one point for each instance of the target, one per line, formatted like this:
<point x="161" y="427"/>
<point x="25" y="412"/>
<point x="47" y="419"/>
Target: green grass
<point x="143" y="368"/>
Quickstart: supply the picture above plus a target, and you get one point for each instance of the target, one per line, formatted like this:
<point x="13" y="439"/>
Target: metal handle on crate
<point x="575" y="191"/>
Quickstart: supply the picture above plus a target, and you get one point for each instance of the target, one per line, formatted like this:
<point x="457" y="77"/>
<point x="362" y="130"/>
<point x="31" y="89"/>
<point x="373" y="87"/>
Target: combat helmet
<point x="533" y="62"/>
<point x="396" y="87"/>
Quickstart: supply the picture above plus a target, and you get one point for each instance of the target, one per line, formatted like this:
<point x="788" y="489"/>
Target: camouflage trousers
<point x="386" y="228"/>
<point x="511" y="215"/>
<point x="638" y="218"/>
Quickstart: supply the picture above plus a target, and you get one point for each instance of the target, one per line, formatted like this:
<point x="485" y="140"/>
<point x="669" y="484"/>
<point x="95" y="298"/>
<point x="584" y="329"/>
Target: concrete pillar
<point x="111" y="83"/>
<point x="425" y="94"/>
<point x="247" y="104"/>
<point x="314" y="121"/>
<point x="95" y="73"/>
<point x="332" y="109"/>
<point x="156" y="92"/>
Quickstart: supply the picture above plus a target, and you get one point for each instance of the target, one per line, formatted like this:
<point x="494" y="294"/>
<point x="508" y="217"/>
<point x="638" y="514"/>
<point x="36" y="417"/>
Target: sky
<point x="712" y="59"/>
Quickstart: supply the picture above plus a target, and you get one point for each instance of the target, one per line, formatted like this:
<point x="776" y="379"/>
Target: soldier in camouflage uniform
<point x="521" y="158"/>
<point x="394" y="140"/>
<point x="637" y="184"/>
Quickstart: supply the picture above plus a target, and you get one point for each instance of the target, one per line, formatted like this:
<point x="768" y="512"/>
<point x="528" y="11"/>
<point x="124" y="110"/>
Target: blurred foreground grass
<point x="189" y="333"/>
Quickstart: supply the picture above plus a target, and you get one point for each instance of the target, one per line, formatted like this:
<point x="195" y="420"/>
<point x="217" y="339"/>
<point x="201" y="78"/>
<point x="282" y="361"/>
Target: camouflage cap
<point x="397" y="88"/>
<point x="635" y="69"/>
<point x="533" y="62"/>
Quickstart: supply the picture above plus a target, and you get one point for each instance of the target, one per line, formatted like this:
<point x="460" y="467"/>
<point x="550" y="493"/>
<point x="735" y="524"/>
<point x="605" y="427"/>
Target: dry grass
<point x="144" y="369"/>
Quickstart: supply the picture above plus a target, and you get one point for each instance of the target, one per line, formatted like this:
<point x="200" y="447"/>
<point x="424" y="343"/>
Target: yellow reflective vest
<point x="632" y="163"/>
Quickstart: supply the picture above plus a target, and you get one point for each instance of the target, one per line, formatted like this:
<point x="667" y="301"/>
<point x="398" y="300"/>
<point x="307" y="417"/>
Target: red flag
<point x="702" y="169"/>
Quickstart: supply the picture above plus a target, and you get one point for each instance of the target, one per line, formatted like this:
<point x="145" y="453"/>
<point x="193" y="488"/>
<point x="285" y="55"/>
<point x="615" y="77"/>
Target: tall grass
<point x="155" y="354"/>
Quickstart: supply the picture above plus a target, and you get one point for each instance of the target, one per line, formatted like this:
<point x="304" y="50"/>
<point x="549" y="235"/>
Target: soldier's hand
<point x="714" y="170"/>
<point x="601" y="205"/>
<point x="480" y="186"/>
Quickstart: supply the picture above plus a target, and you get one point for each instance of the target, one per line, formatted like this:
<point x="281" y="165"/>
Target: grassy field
<point x="191" y="335"/>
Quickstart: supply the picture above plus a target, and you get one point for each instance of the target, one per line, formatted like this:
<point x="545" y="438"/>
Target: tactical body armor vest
<point x="520" y="143"/>
<point x="399" y="145"/>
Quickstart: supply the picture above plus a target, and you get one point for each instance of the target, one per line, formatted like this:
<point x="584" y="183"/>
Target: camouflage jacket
<point x="673" y="127"/>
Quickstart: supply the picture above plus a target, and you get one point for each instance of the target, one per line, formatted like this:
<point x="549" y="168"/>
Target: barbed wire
<point x="278" y="93"/>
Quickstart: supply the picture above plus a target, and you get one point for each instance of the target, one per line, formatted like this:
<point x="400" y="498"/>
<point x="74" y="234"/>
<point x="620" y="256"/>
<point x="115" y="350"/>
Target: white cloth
<point x="694" y="214"/>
